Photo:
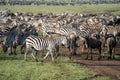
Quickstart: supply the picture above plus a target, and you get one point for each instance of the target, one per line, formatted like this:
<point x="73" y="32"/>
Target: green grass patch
<point x="15" y="68"/>
<point x="86" y="8"/>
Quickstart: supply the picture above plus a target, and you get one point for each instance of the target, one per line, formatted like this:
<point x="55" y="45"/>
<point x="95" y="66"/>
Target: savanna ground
<point x="15" y="68"/>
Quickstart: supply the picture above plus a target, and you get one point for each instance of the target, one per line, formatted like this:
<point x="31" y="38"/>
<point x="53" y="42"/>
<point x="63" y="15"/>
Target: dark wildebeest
<point x="21" y="38"/>
<point x="10" y="38"/>
<point x="93" y="43"/>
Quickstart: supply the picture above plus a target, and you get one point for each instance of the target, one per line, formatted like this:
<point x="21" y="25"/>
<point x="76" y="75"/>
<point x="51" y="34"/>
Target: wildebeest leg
<point x="113" y="53"/>
<point x="99" y="54"/>
<point x="56" y="51"/>
<point x="110" y="52"/>
<point x="74" y="46"/>
<point x="14" y="48"/>
<point x="91" y="54"/>
<point x="70" y="49"/>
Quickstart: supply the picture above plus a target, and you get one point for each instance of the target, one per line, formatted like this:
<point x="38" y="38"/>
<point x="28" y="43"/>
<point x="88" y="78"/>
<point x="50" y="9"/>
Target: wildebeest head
<point x="4" y="48"/>
<point x="11" y="36"/>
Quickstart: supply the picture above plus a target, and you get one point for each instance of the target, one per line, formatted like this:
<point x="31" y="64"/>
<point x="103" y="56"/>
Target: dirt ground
<point x="104" y="67"/>
<point x="109" y="68"/>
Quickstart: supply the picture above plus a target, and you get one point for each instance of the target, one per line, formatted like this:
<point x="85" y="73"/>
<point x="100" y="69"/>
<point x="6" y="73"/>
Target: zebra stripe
<point x="46" y="28"/>
<point x="48" y="43"/>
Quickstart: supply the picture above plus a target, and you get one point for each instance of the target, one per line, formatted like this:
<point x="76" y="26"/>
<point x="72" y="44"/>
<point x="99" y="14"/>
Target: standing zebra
<point x="46" y="28"/>
<point x="71" y="33"/>
<point x="48" y="44"/>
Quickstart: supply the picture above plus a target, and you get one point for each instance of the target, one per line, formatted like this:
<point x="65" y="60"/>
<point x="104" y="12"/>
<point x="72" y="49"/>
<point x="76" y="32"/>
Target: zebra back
<point x="46" y="43"/>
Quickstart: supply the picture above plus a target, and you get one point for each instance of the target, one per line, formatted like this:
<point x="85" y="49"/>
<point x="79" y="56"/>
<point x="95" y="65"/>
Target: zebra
<point x="46" y="28"/>
<point x="47" y="43"/>
<point x="71" y="33"/>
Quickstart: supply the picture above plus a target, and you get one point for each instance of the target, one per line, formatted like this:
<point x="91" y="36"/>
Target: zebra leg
<point x="14" y="48"/>
<point x="91" y="54"/>
<point x="22" y="49"/>
<point x="25" y="56"/>
<point x="46" y="55"/>
<point x="34" y="54"/>
<point x="99" y="58"/>
<point x="10" y="50"/>
<point x="52" y="56"/>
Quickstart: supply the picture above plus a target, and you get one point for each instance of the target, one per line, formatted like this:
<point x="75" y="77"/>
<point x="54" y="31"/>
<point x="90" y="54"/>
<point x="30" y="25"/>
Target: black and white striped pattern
<point x="48" y="44"/>
<point x="46" y="28"/>
<point x="66" y="31"/>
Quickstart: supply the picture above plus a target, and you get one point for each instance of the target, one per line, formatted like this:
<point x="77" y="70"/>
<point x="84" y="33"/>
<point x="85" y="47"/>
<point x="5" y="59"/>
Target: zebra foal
<point x="48" y="44"/>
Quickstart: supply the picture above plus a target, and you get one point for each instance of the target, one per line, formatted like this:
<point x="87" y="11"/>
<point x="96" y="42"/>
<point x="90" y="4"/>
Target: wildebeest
<point x="21" y="38"/>
<point x="10" y="38"/>
<point x="93" y="43"/>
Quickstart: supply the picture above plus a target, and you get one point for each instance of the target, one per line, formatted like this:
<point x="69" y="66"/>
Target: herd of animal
<point x="89" y="31"/>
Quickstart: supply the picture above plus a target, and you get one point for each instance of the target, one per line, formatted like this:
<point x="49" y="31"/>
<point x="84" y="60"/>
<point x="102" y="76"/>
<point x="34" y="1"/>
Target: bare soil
<point x="104" y="67"/>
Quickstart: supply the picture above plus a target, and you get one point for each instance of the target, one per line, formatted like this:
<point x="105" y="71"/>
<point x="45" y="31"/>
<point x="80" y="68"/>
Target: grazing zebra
<point x="48" y="44"/>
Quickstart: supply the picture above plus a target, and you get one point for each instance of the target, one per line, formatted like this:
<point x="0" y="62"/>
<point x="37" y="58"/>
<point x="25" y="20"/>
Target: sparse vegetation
<point x="15" y="68"/>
